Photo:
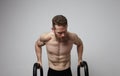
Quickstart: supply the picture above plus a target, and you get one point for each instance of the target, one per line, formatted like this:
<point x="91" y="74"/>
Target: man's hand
<point x="39" y="63"/>
<point x="79" y="62"/>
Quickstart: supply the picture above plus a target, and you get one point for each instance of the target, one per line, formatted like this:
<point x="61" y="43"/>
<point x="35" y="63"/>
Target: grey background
<point x="97" y="22"/>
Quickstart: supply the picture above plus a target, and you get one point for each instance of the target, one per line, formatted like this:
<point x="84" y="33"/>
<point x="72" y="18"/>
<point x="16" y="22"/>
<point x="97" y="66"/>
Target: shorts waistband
<point x="60" y="70"/>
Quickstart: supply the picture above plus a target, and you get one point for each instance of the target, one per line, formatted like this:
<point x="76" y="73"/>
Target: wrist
<point x="79" y="61"/>
<point x="39" y="62"/>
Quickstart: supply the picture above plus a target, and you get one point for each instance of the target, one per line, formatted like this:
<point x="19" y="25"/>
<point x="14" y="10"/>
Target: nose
<point x="63" y="35"/>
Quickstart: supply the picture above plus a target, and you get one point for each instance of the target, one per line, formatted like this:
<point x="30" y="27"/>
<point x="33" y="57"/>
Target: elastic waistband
<point x="50" y="69"/>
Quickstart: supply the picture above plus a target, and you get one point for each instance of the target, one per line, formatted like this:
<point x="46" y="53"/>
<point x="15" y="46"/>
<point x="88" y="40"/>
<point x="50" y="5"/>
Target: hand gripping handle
<point x="35" y="67"/>
<point x="86" y="71"/>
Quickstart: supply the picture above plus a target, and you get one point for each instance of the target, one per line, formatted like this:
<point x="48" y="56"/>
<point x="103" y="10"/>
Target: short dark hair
<point x="59" y="20"/>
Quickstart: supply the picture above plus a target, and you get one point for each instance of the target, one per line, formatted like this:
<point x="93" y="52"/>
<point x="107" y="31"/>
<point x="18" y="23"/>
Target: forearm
<point x="80" y="53"/>
<point x="38" y="51"/>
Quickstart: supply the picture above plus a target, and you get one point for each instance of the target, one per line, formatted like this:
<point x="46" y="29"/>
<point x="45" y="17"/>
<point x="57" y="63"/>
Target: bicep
<point x="77" y="40"/>
<point x="41" y="40"/>
<point x="40" y="43"/>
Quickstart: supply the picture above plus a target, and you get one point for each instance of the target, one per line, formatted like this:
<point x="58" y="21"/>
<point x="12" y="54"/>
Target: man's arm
<point x="80" y="52"/>
<point x="79" y="44"/>
<point x="38" y="46"/>
<point x="38" y="50"/>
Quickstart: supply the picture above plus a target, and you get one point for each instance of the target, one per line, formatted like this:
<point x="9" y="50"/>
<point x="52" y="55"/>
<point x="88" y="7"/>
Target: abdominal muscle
<point x="59" y="55"/>
<point x="60" y="62"/>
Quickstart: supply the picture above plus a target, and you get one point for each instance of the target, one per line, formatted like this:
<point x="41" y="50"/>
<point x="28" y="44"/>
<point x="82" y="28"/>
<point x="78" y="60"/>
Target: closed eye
<point x="60" y="32"/>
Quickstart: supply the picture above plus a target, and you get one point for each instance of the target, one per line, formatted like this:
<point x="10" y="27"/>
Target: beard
<point x="62" y="39"/>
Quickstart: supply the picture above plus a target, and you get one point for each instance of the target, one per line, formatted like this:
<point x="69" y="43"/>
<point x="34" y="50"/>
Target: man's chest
<point x="59" y="47"/>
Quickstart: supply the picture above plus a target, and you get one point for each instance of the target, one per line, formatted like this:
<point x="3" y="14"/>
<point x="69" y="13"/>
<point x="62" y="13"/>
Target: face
<point x="60" y="32"/>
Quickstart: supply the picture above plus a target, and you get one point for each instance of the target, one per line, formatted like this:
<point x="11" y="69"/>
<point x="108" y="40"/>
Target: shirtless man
<point x="59" y="43"/>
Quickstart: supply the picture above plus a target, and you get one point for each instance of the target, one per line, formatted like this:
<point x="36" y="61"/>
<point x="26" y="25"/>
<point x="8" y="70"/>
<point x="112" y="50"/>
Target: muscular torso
<point x="59" y="52"/>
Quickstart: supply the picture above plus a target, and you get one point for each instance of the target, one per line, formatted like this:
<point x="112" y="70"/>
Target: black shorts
<point x="66" y="72"/>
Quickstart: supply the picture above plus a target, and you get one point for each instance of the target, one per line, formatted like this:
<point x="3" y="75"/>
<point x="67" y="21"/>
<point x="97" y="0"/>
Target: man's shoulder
<point x="74" y="37"/>
<point x="72" y="34"/>
<point x="46" y="36"/>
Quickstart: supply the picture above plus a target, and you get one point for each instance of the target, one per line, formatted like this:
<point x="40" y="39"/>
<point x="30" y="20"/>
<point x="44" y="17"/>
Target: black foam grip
<point x="85" y="66"/>
<point x="37" y="66"/>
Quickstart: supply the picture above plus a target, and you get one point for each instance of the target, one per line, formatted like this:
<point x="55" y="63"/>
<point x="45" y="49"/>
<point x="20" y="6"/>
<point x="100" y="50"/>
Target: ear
<point x="53" y="29"/>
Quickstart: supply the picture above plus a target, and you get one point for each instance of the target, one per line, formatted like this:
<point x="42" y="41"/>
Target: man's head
<point x="59" y="20"/>
<point x="60" y="27"/>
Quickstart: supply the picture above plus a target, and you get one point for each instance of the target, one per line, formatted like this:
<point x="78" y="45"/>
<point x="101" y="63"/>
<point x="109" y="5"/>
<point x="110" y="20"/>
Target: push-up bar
<point x="85" y="65"/>
<point x="82" y="64"/>
<point x="35" y="67"/>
